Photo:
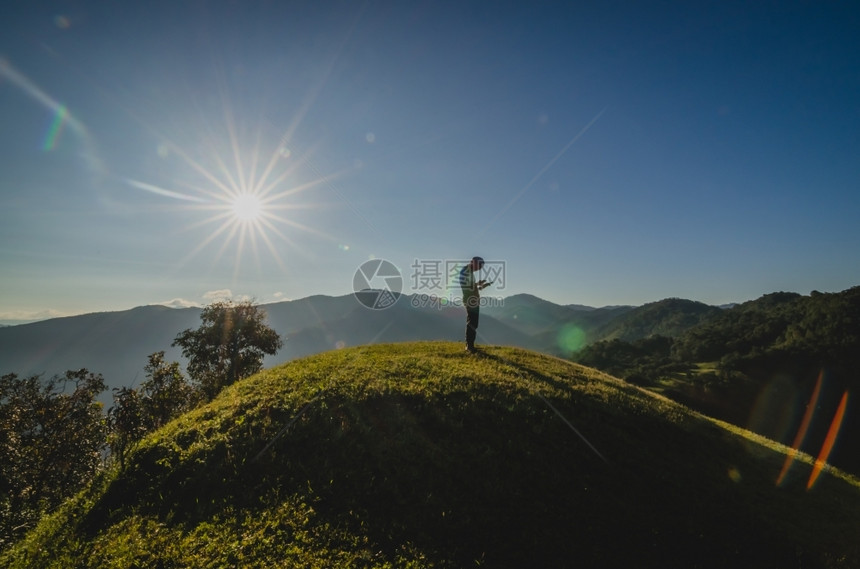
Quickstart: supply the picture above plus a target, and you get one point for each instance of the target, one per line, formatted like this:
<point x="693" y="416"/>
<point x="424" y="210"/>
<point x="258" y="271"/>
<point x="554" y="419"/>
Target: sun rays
<point x="226" y="182"/>
<point x="249" y="203"/>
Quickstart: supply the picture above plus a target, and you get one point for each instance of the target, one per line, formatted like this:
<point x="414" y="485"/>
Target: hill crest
<point x="419" y="455"/>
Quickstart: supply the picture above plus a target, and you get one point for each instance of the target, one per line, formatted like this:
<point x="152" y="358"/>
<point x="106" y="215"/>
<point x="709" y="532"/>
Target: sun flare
<point x="249" y="202"/>
<point x="247" y="207"/>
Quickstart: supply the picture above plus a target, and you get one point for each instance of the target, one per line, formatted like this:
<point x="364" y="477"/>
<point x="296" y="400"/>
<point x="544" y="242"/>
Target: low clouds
<point x="25" y="316"/>
<point x="216" y="295"/>
<point x="223" y="294"/>
<point x="219" y="295"/>
<point x="180" y="303"/>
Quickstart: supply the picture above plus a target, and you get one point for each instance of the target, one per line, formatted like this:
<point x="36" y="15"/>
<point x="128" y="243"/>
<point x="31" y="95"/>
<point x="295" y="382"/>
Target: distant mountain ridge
<point x="116" y="344"/>
<point x="109" y="343"/>
<point x="670" y="317"/>
<point x="535" y="315"/>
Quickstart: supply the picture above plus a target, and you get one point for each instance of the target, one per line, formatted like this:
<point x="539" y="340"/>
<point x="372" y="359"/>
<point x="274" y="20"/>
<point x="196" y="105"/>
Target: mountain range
<point x="754" y="364"/>
<point x="116" y="344"/>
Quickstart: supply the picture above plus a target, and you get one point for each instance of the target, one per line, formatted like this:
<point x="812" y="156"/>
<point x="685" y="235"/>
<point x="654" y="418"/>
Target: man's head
<point x="477" y="263"/>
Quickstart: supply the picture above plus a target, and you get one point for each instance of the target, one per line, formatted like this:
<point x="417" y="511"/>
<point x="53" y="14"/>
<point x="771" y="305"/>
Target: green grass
<point x="418" y="455"/>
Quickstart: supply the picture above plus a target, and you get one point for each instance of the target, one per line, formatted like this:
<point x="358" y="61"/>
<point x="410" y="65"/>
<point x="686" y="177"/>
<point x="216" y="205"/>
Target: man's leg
<point x="472" y="315"/>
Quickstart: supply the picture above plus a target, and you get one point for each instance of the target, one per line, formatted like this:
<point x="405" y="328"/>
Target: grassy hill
<point x="418" y="455"/>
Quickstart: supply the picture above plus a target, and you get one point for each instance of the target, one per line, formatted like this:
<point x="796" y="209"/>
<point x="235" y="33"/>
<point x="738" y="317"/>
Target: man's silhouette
<point x="472" y="299"/>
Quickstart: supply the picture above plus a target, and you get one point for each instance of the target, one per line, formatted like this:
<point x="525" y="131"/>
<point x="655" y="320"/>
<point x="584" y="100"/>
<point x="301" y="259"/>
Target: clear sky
<point x="613" y="152"/>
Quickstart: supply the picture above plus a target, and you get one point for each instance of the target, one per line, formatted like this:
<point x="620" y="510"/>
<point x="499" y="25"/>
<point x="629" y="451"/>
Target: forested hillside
<point x="762" y="357"/>
<point x="669" y="317"/>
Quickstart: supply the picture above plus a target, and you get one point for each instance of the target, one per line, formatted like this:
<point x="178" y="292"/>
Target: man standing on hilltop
<point x="472" y="299"/>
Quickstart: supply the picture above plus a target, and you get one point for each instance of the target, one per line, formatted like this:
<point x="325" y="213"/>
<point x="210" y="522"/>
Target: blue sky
<point x="608" y="152"/>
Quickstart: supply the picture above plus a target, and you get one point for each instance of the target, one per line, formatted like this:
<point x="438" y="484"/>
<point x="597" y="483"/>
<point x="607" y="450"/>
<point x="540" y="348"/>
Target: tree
<point x="163" y="396"/>
<point x="125" y="421"/>
<point x="51" y="444"/>
<point x="165" y="393"/>
<point x="228" y="346"/>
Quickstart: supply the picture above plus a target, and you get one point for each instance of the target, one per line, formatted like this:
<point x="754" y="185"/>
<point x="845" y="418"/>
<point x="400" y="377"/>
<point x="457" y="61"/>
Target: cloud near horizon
<point x="216" y="295"/>
<point x="225" y="294"/>
<point x="31" y="315"/>
<point x="210" y="297"/>
<point x="180" y="303"/>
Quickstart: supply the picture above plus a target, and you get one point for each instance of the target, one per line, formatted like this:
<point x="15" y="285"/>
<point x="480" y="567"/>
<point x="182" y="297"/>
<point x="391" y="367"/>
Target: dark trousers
<point x="472" y="315"/>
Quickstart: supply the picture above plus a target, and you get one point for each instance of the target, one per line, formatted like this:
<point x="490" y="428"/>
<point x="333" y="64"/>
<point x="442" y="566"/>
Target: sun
<point x="246" y="207"/>
<point x="249" y="202"/>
